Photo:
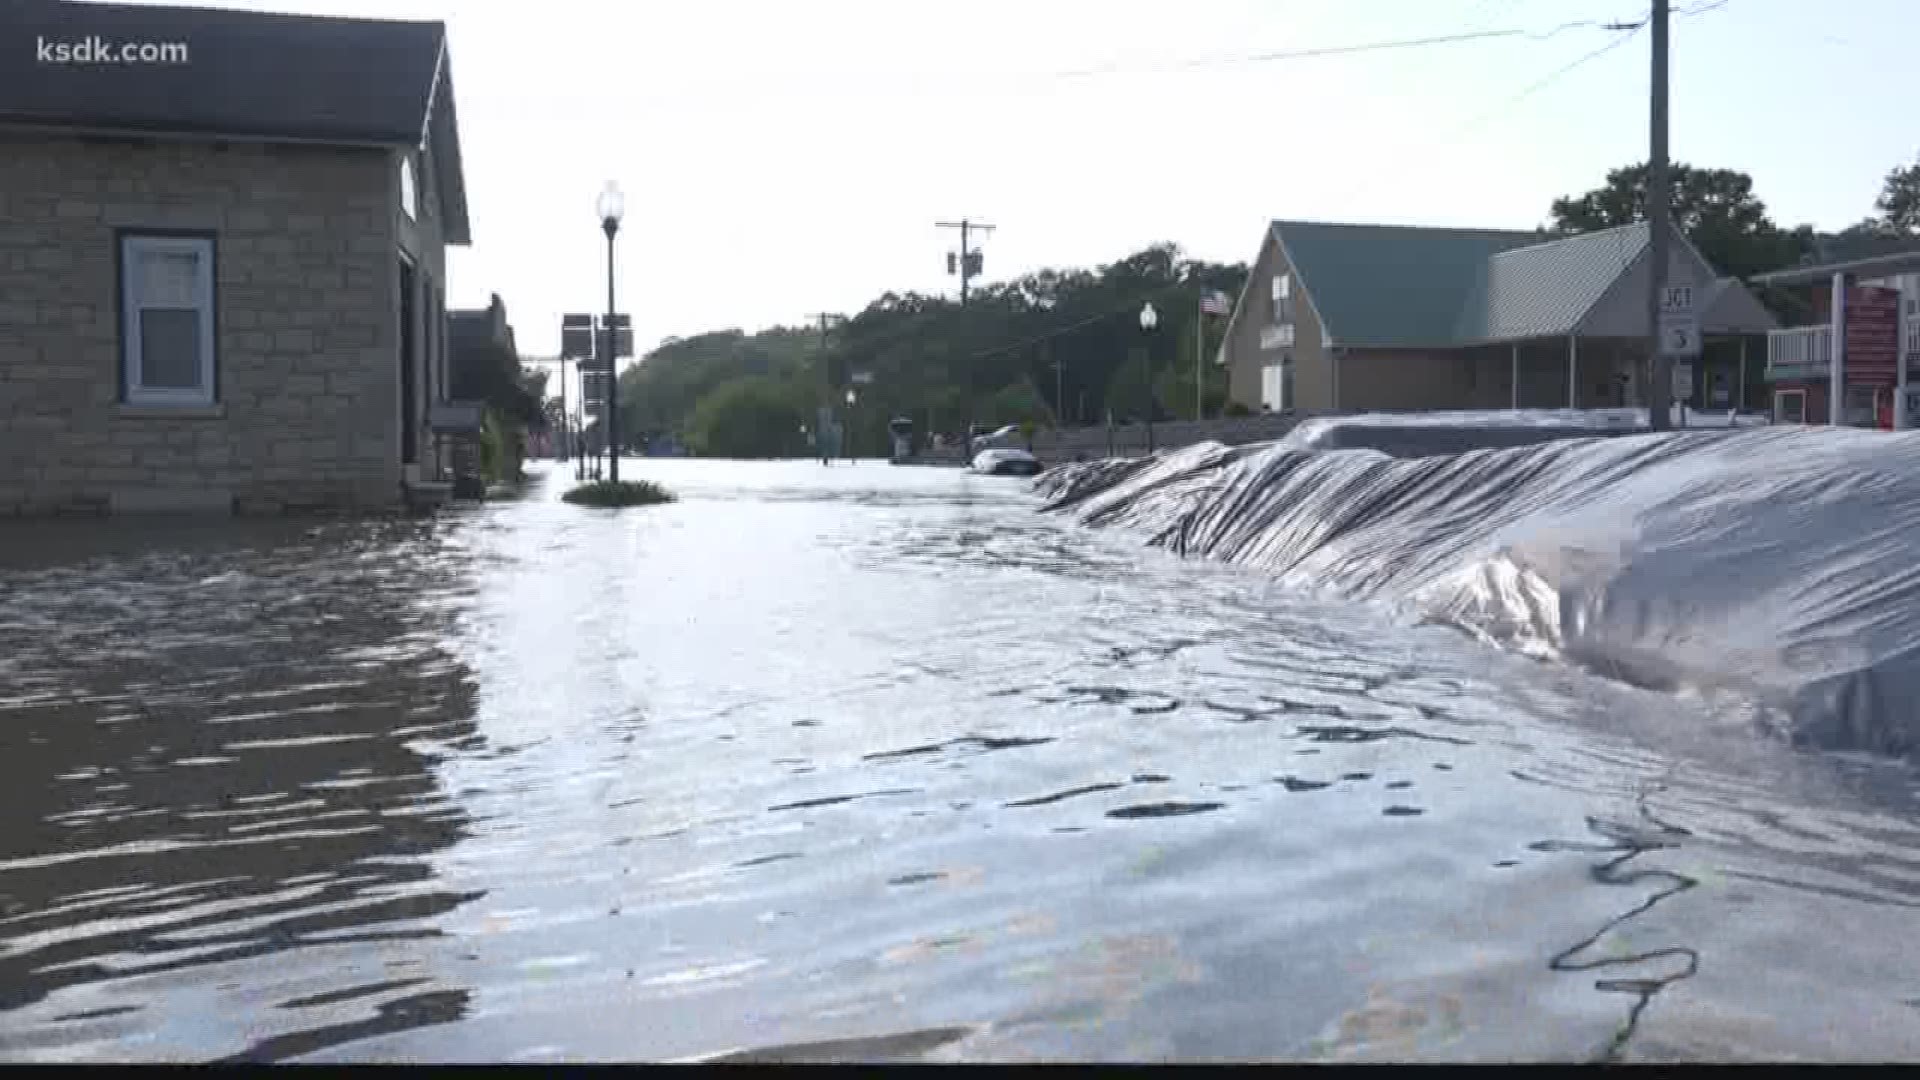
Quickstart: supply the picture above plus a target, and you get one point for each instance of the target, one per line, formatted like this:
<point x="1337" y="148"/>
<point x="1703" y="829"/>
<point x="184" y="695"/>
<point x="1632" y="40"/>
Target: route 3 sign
<point x="1679" y="323"/>
<point x="1680" y="336"/>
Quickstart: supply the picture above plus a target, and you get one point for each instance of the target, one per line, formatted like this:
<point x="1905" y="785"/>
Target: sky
<point x="782" y="158"/>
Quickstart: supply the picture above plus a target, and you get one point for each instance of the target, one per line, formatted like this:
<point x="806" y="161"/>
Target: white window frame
<point x="132" y="247"/>
<point x="409" y="187"/>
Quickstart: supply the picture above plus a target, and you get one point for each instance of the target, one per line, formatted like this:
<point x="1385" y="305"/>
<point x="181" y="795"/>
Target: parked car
<point x="1006" y="461"/>
<point x="1000" y="438"/>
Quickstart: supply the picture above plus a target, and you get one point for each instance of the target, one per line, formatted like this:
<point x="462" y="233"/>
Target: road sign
<point x="1679" y="325"/>
<point x="622" y="336"/>
<point x="576" y="336"/>
<point x="1679" y="336"/>
<point x="1683" y="382"/>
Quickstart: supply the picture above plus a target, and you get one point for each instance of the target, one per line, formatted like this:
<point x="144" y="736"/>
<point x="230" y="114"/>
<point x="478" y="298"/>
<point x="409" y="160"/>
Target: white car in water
<point x="1006" y="461"/>
<point x="1004" y="438"/>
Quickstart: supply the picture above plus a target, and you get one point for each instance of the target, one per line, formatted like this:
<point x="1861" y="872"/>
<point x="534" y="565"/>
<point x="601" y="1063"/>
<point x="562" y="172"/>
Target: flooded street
<point x="878" y="758"/>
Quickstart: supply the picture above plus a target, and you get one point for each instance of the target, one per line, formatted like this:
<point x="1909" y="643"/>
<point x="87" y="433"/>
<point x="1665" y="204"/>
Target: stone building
<point x="221" y="271"/>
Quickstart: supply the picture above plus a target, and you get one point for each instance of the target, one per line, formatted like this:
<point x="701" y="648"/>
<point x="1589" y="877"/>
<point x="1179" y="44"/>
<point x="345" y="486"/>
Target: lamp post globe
<point x="611" y="206"/>
<point x="1149" y="319"/>
<point x="853" y="398"/>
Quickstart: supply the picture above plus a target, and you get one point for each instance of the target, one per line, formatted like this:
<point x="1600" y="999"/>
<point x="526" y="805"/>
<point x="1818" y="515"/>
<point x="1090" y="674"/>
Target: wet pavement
<point x="876" y="762"/>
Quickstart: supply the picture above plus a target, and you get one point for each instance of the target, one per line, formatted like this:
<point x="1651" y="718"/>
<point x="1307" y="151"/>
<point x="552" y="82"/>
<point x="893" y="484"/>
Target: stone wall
<point x="307" y="410"/>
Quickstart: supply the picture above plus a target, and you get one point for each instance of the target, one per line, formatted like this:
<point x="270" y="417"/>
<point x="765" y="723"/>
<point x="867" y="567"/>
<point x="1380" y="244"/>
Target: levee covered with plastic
<point x="1778" y="564"/>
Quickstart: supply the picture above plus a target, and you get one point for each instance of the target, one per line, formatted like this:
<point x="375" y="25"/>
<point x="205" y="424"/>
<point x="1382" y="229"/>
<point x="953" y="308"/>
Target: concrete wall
<point x="1053" y="447"/>
<point x="305" y="325"/>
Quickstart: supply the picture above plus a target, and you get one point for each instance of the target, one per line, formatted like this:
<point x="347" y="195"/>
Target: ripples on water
<point x="877" y="763"/>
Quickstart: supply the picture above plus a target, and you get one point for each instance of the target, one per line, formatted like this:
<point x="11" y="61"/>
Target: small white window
<point x="166" y="319"/>
<point x="1282" y="286"/>
<point x="409" y="190"/>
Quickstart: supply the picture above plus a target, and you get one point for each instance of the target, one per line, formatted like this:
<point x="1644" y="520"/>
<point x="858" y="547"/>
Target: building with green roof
<point x="1394" y="317"/>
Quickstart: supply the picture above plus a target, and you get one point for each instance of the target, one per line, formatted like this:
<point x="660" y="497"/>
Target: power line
<point x="1337" y="50"/>
<point x="1549" y="79"/>
<point x="1631" y="29"/>
<point x="1016" y="346"/>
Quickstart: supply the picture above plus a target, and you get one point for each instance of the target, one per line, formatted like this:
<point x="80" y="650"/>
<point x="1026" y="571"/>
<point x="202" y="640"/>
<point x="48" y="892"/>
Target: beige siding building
<point x="219" y="301"/>
<point x="1390" y="318"/>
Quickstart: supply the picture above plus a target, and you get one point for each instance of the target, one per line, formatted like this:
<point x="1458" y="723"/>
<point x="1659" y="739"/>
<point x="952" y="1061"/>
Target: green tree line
<point x="991" y="362"/>
<point x="1063" y="347"/>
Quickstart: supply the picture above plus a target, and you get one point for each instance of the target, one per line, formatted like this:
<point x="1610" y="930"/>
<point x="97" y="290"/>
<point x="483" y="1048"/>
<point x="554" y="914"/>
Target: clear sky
<point x="783" y="157"/>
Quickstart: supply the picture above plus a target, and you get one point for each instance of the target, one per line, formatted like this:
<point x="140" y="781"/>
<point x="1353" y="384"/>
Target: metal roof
<point x="249" y="75"/>
<point x="1388" y="286"/>
<point x="1393" y="286"/>
<point x="1902" y="262"/>
<point x="1546" y="289"/>
<point x="1731" y="308"/>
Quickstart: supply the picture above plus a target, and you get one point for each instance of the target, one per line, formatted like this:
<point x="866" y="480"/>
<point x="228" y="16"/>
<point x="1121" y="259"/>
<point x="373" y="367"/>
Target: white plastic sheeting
<point x="1420" y="434"/>
<point x="1779" y="564"/>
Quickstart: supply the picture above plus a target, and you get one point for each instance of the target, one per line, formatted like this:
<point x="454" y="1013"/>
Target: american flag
<point x="1215" y="302"/>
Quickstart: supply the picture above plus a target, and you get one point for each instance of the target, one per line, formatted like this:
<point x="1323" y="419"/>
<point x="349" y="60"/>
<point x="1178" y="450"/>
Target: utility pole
<point x="1659" y="395"/>
<point x="825" y="408"/>
<point x="967" y="265"/>
<point x="1199" y="351"/>
<point x="565" y="450"/>
<point x="1059" y="388"/>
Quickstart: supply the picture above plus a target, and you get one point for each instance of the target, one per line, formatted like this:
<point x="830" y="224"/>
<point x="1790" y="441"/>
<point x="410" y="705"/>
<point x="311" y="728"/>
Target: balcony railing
<point x="1804" y="350"/>
<point x="1276" y="337"/>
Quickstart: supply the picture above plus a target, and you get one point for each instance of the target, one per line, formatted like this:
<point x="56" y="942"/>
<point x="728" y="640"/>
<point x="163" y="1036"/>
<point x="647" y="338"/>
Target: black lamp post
<point x="612" y="206"/>
<point x="853" y="398"/>
<point x="1149" y="319"/>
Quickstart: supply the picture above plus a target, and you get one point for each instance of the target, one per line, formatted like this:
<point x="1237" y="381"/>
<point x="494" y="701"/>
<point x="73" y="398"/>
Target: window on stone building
<point x="166" y="324"/>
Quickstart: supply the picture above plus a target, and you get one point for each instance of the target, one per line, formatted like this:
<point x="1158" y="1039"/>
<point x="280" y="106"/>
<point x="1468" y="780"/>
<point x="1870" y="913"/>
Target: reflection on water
<point x="874" y="763"/>
<point x="220" y="788"/>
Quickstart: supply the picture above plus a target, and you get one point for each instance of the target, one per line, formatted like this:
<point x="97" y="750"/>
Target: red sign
<point x="1873" y="335"/>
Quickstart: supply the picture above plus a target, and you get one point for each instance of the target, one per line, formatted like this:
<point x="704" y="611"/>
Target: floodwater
<point x="871" y="762"/>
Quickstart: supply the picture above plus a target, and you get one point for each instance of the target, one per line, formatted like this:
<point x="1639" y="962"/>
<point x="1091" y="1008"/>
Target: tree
<point x="1899" y="202"/>
<point x="749" y="417"/>
<point x="943" y="365"/>
<point x="1715" y="208"/>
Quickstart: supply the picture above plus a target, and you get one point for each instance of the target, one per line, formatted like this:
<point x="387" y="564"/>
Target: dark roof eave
<point x="455" y="226"/>
<point x="441" y="131"/>
<point x="1898" y="263"/>
<point x="165" y="130"/>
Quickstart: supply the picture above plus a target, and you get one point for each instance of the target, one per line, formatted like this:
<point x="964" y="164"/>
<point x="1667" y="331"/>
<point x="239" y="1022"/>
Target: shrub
<point x="608" y="493"/>
<point x="1235" y="408"/>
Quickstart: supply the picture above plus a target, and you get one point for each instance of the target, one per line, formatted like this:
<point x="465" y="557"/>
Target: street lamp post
<point x="853" y="397"/>
<point x="1149" y="319"/>
<point x="612" y="207"/>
